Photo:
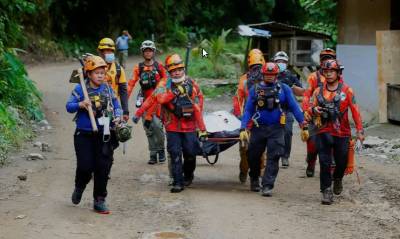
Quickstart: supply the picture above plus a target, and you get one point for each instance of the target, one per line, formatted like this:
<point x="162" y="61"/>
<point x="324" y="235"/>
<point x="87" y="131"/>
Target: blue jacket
<point x="82" y="117"/>
<point x="266" y="117"/>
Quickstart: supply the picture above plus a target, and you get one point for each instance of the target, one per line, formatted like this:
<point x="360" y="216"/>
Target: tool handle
<point x="86" y="96"/>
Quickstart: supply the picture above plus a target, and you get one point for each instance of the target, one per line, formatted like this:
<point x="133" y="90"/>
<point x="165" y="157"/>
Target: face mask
<point x="178" y="80"/>
<point x="109" y="58"/>
<point x="282" y="67"/>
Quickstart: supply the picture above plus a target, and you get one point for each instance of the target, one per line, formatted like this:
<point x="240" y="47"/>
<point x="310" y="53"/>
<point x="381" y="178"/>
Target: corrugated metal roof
<point x="283" y="29"/>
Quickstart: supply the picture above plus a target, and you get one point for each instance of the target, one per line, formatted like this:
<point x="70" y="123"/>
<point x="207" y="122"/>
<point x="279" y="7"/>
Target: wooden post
<point x="388" y="58"/>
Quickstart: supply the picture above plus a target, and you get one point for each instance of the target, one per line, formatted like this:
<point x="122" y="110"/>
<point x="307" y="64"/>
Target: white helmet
<point x="281" y="55"/>
<point x="148" y="44"/>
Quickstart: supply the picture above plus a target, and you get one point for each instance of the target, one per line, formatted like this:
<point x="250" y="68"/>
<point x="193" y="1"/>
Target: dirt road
<point x="215" y="206"/>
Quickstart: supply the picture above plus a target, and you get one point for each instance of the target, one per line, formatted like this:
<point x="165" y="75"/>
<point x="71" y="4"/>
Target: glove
<point x="318" y="121"/>
<point x="135" y="119"/>
<point x="125" y="118"/>
<point x="202" y="135"/>
<point x="244" y="136"/>
<point x="147" y="124"/>
<point x="359" y="146"/>
<point x="304" y="134"/>
<point x="360" y="136"/>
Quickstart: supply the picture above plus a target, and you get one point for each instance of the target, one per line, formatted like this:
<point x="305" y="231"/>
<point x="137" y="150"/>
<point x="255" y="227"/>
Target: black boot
<point x="188" y="180"/>
<point x="177" y="189"/>
<point x="153" y="158"/>
<point x="161" y="156"/>
<point x="242" y="177"/>
<point x="310" y="171"/>
<point x="337" y="186"/>
<point x="77" y="195"/>
<point x="285" y="162"/>
<point x="327" y="197"/>
<point x="255" y="185"/>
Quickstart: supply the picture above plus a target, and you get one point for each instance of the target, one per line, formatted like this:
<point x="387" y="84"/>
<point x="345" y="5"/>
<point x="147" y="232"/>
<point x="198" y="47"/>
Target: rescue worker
<point x="314" y="80"/>
<point x="182" y="105"/>
<point x="285" y="76"/>
<point x="149" y="74"/>
<point x="264" y="108"/>
<point x="94" y="151"/>
<point x="115" y="74"/>
<point x="331" y="103"/>
<point x="255" y="60"/>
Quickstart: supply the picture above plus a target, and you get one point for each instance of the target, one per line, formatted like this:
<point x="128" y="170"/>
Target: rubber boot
<point x="255" y="185"/>
<point x="285" y="162"/>
<point x="337" y="186"/>
<point x="153" y="158"/>
<point x="327" y="197"/>
<point x="161" y="156"/>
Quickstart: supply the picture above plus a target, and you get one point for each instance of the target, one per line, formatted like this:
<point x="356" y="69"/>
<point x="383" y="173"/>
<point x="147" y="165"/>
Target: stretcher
<point x="223" y="130"/>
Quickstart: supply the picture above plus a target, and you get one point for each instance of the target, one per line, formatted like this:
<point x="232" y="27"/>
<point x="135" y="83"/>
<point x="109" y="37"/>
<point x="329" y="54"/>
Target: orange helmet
<point x="327" y="53"/>
<point x="255" y="57"/>
<point x="331" y="65"/>
<point x="93" y="62"/>
<point x="270" y="69"/>
<point x="173" y="62"/>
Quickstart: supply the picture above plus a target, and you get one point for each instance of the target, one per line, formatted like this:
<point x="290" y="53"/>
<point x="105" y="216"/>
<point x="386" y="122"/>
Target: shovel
<point x="77" y="77"/>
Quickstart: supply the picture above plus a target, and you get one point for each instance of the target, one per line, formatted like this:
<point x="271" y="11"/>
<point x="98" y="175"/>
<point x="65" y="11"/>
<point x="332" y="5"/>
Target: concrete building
<point x="369" y="48"/>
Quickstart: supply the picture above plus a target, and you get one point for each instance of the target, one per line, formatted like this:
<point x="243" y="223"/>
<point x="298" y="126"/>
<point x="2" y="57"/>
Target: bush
<point x="19" y="103"/>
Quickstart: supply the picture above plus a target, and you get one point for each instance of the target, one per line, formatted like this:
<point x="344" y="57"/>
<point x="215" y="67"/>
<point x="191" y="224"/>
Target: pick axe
<point x="77" y="77"/>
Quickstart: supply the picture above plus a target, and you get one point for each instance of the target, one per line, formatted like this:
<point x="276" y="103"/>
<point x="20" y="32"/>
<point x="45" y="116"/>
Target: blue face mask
<point x="109" y="58"/>
<point x="282" y="67"/>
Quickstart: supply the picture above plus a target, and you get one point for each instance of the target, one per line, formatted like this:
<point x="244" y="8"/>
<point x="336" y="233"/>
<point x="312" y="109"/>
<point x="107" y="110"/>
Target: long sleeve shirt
<point x="82" y="117"/>
<point x="270" y="117"/>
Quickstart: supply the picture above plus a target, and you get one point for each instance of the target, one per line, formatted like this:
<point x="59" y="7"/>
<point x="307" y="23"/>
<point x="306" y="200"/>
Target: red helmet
<point x="331" y="65"/>
<point x="270" y="68"/>
<point x="327" y="53"/>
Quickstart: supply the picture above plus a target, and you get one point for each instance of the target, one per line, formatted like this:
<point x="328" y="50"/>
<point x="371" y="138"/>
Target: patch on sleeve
<point x="74" y="93"/>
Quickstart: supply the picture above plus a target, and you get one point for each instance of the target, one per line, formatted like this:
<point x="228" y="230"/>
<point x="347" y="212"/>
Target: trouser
<point x="312" y="147"/>
<point x="94" y="158"/>
<point x="272" y="138"/>
<point x="288" y="134"/>
<point x="244" y="164"/>
<point x="329" y="146"/>
<point x="182" y="144"/>
<point x="155" y="135"/>
<point x="122" y="57"/>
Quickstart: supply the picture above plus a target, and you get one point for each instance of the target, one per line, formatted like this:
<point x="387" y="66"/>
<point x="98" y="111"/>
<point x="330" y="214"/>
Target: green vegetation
<point x="216" y="91"/>
<point x="19" y="98"/>
<point x="321" y="17"/>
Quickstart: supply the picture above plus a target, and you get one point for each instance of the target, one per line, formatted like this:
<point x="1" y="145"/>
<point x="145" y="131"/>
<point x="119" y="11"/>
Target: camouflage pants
<point x="155" y="135"/>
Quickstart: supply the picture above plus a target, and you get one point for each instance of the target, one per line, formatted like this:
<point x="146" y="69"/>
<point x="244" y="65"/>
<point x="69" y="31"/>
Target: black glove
<point x="135" y="119"/>
<point x="147" y="124"/>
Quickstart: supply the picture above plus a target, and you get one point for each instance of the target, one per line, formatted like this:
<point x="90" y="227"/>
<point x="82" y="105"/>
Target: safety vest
<point x="330" y="109"/>
<point x="183" y="104"/>
<point x="267" y="97"/>
<point x="148" y="78"/>
<point x="101" y="101"/>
